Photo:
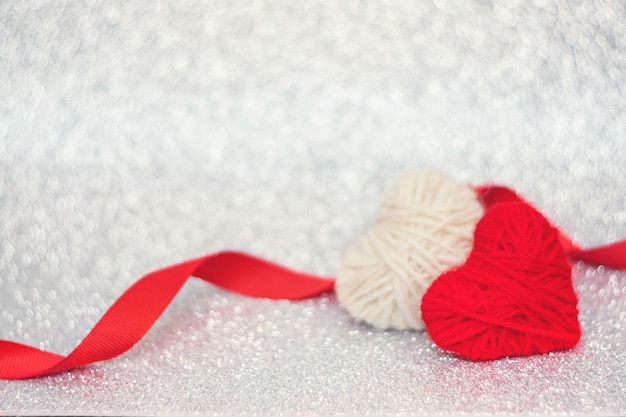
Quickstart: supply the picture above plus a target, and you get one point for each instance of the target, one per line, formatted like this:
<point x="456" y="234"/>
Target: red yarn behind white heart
<point x="512" y="297"/>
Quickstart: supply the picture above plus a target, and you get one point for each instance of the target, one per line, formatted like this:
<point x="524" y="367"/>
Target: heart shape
<point x="512" y="297"/>
<point x="425" y="226"/>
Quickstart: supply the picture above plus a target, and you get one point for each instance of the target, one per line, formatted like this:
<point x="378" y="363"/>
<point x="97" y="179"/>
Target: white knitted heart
<point x="424" y="227"/>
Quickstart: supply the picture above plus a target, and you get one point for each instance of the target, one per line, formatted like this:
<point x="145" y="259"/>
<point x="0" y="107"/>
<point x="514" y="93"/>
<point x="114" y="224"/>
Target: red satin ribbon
<point x="136" y="310"/>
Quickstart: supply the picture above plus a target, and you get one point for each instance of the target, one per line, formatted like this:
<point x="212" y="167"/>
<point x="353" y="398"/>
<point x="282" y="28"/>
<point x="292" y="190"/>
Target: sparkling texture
<point x="138" y="134"/>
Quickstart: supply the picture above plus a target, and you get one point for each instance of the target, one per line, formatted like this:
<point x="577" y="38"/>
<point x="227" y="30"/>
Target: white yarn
<point x="425" y="227"/>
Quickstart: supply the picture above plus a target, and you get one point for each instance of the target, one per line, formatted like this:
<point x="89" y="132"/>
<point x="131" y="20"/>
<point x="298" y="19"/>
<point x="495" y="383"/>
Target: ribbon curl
<point x="136" y="310"/>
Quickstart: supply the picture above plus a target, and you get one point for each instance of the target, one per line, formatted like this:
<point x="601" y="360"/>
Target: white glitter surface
<point x="138" y="134"/>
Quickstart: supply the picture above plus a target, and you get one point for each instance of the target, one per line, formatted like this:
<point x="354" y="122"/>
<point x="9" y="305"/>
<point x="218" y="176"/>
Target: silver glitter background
<point x="138" y="134"/>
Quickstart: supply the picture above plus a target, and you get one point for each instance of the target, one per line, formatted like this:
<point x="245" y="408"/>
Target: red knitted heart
<point x="512" y="297"/>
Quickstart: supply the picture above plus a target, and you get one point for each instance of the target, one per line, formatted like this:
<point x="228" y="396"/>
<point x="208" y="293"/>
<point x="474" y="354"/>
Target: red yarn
<point x="612" y="255"/>
<point x="512" y="297"/>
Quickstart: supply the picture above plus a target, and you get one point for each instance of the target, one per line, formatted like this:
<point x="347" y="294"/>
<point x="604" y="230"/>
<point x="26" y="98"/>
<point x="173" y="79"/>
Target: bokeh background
<point x="137" y="134"/>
